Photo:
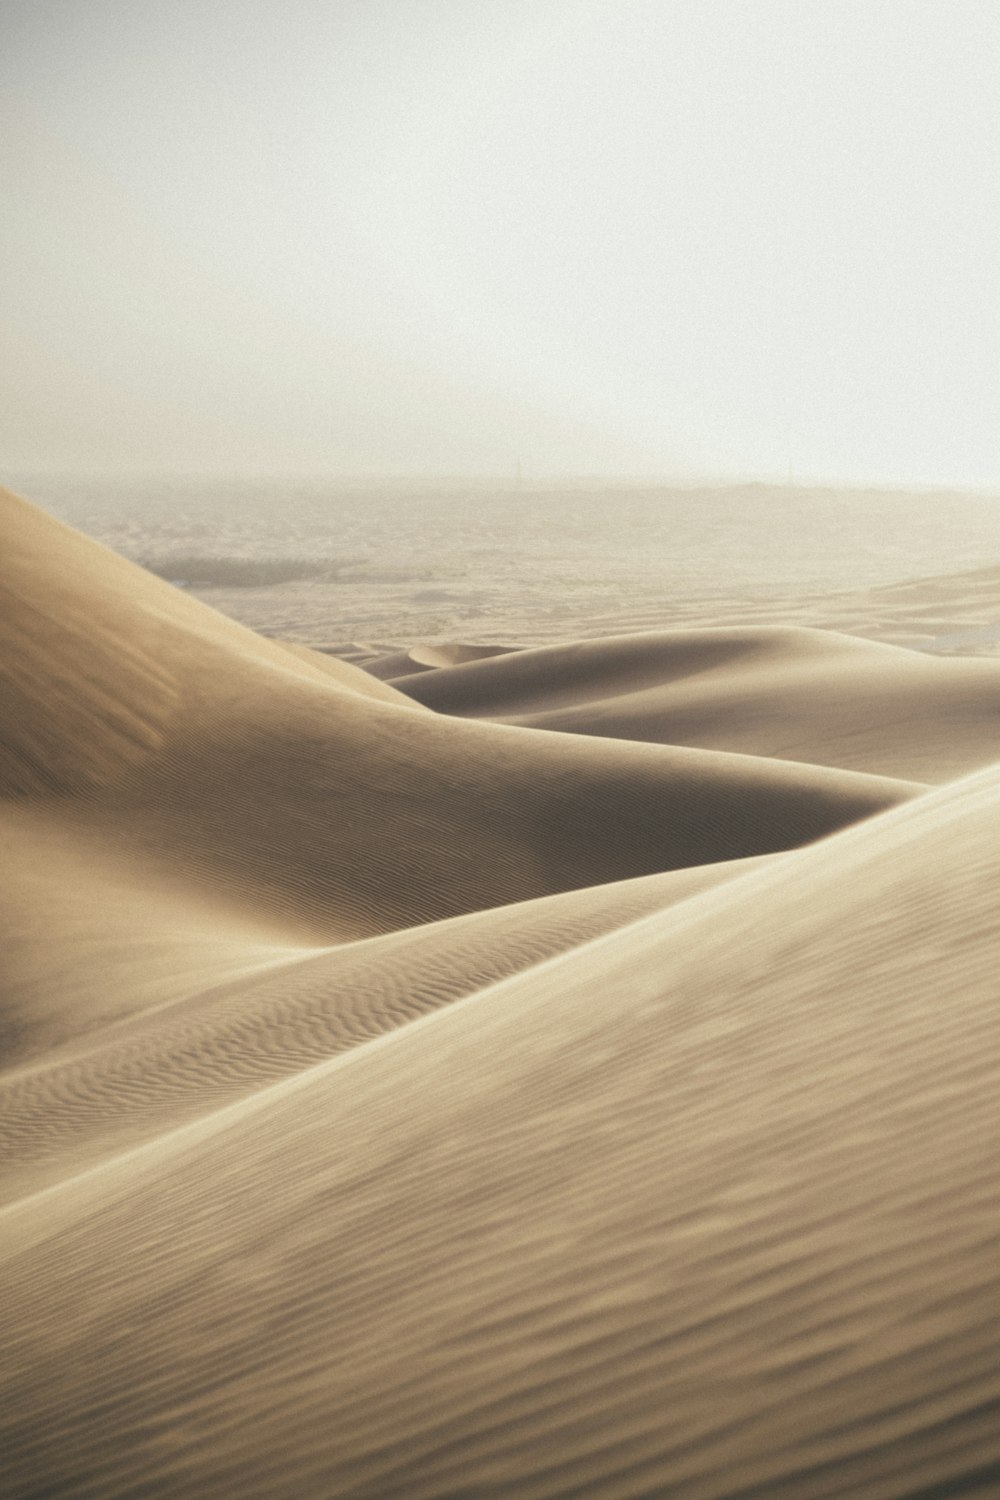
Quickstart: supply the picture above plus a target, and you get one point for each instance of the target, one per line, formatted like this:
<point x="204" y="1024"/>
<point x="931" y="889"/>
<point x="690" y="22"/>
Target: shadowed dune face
<point x="402" y="1095"/>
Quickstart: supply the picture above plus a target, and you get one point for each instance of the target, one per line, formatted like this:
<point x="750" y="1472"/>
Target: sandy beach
<point x="496" y="1067"/>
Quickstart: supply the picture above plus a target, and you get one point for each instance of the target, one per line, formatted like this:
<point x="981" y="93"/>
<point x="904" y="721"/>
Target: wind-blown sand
<point x="548" y="1072"/>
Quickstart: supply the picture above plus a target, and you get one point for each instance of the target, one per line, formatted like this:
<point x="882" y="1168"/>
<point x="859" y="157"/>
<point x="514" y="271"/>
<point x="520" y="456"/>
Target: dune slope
<point x="783" y="692"/>
<point x="396" y="1102"/>
<point x="705" y="1208"/>
<point x="241" y="1015"/>
<point x="165" y="749"/>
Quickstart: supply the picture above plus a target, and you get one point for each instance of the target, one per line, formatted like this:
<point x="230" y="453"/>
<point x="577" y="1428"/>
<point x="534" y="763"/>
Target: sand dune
<point x="258" y="776"/>
<point x="424" y="657"/>
<point x="704" y="1209"/>
<point x="782" y="692"/>
<point x="277" y="1010"/>
<point x="550" y="1072"/>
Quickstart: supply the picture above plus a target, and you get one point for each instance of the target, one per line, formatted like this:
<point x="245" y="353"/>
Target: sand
<point x="538" y="1072"/>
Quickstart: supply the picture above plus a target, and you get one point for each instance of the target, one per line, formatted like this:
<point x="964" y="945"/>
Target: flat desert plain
<point x="536" y="1063"/>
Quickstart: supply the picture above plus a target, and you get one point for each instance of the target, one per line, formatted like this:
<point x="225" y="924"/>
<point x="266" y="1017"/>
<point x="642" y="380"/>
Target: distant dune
<point x="475" y="1071"/>
<point x="781" y="691"/>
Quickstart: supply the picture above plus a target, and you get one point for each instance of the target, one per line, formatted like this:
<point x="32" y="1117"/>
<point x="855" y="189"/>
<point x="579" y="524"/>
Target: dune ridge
<point x="785" y="692"/>
<point x="507" y="1071"/>
<point x="324" y="811"/>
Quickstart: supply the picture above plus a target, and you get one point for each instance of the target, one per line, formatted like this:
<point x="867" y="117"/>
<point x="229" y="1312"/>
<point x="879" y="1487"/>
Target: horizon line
<point x="507" y="481"/>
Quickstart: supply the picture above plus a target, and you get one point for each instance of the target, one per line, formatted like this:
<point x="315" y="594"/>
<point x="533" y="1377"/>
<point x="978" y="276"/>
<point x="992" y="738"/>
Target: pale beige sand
<point x="275" y="1012"/>
<point x="402" y="1103"/>
<point x="784" y="692"/>
<point x="942" y="614"/>
<point x="707" y="1208"/>
<point x="421" y="658"/>
<point x="325" y="806"/>
<point x="531" y="591"/>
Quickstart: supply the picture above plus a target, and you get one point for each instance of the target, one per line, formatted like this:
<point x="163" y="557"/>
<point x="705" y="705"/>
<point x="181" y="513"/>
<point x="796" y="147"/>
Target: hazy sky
<point x="449" y="236"/>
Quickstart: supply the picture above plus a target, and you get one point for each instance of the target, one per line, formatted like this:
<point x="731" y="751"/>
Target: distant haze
<point x="681" y="237"/>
